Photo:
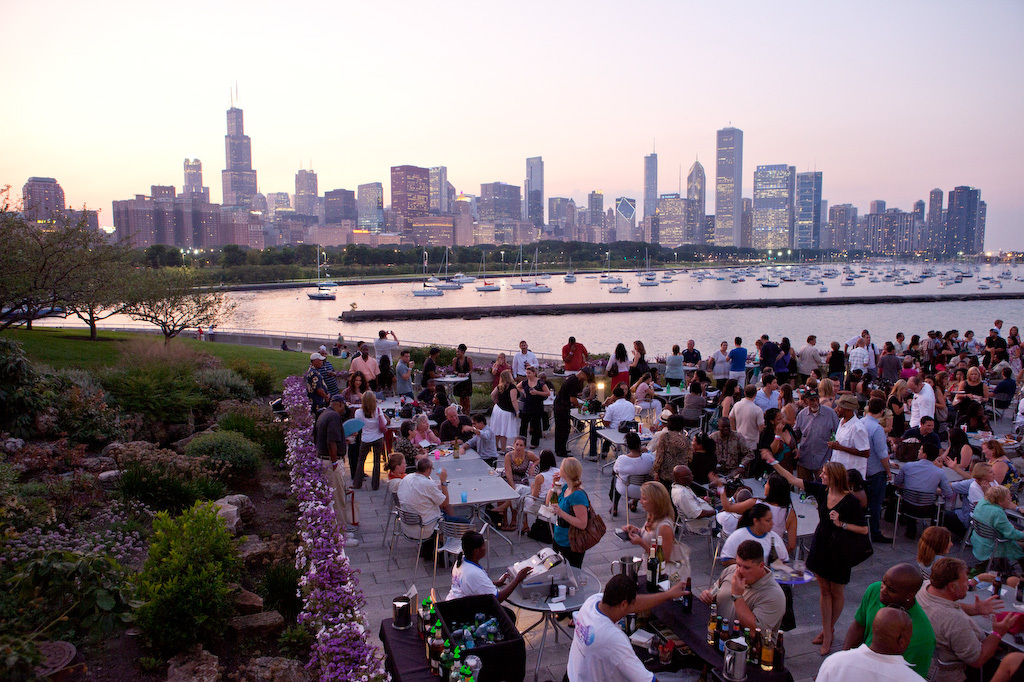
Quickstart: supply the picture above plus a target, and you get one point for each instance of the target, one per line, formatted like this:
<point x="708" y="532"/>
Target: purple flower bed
<point x="332" y="602"/>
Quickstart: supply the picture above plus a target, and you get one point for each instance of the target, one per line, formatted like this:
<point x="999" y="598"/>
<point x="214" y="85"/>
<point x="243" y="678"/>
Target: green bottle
<point x="447" y="660"/>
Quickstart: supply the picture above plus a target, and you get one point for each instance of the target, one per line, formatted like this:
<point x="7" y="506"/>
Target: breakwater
<point x="477" y="312"/>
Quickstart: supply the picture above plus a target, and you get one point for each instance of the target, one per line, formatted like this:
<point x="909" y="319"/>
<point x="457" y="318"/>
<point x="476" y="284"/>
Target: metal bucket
<point x="628" y="566"/>
<point x="401" y="610"/>
<point x="735" y="667"/>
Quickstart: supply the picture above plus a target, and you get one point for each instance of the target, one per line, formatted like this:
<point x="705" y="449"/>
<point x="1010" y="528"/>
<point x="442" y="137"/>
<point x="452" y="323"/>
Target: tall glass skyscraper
<point x="625" y="220"/>
<point x="807" y="221"/>
<point x="534" y="191"/>
<point x="650" y="184"/>
<point x="238" y="179"/>
<point x="306" y="192"/>
<point x="729" y="187"/>
<point x="370" y="206"/>
<point x="410" y="194"/>
<point x="696" y="198"/>
<point x="672" y="216"/>
<point x="773" y="206"/>
<point x="439" y="191"/>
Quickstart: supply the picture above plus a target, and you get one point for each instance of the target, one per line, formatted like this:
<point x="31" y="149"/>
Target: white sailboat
<point x="486" y="286"/>
<point x="426" y="290"/>
<point x="570" y="276"/>
<point x="322" y="293"/>
<point x="522" y="283"/>
<point x="608" y="278"/>
<point x="446" y="284"/>
<point x="648" y="278"/>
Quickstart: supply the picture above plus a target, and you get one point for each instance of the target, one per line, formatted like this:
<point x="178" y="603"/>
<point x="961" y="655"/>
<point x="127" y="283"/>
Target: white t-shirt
<point x="721" y="368"/>
<point x="384" y="347"/>
<point x="469" y="580"/>
<point x="852" y="434"/>
<point x="419" y="494"/>
<point x="863" y="663"/>
<point x="600" y="649"/>
<point x="627" y="466"/>
<point x="690" y="506"/>
<point x="741" y="535"/>
<point x="923" y="405"/>
<point x="727" y="520"/>
<point x="371" y="426"/>
<point x="620" y="410"/>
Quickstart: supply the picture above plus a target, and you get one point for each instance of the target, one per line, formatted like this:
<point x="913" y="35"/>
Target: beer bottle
<point x="767" y="652"/>
<point x="712" y="623"/>
<point x="688" y="597"/>
<point x="723" y="636"/>
<point x="446" y="661"/>
<point x="780" y="652"/>
<point x="754" y="652"/>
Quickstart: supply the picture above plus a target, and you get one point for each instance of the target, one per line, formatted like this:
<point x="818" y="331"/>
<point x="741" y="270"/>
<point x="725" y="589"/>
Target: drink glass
<point x="465" y="497"/>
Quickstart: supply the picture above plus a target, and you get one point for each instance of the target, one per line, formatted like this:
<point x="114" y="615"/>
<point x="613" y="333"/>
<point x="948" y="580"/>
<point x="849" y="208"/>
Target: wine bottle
<point x="652" y="572"/>
<point x="754" y="648"/>
<point x="659" y="553"/>
<point x="446" y="661"/>
<point x="688" y="597"/>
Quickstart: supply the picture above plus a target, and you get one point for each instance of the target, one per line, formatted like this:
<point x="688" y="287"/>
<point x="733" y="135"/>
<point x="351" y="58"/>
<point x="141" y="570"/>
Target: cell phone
<point x="623" y="535"/>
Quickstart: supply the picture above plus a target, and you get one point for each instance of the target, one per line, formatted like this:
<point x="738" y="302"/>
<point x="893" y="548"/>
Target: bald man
<point x="898" y="588"/>
<point x="882" y="659"/>
<point x="696" y="512"/>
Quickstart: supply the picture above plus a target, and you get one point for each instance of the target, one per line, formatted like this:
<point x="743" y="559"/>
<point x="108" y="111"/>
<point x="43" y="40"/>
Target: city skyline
<point x="867" y="148"/>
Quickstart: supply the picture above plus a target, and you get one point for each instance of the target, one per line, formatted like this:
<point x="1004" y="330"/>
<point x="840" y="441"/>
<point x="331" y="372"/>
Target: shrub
<point x="160" y="392"/>
<point x="295" y="642"/>
<point x="260" y="375"/>
<point x="256" y="422"/>
<point x="24" y="393"/>
<point x="165" y="480"/>
<point x="184" y="583"/>
<point x="240" y="422"/>
<point x="280" y="588"/>
<point x="21" y="506"/>
<point x="227" y="446"/>
<point x="223" y="384"/>
<point x="83" y="415"/>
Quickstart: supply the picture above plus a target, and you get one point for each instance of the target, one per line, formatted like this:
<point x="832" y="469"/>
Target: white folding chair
<point x="407" y="519"/>
<point x="452" y="533"/>
<point x="637" y="480"/>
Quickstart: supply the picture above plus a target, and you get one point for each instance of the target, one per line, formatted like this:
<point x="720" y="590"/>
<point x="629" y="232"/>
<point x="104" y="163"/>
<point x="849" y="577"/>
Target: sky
<point x="888" y="99"/>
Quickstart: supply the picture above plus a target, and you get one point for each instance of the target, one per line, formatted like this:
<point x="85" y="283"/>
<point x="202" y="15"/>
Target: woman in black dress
<point x="839" y="513"/>
<point x="534" y="392"/>
<point x="462" y="365"/>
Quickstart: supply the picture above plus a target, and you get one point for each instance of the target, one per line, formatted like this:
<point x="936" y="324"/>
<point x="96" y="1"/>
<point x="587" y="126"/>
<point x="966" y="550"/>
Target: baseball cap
<point x="810" y="394"/>
<point x="337" y="398"/>
<point x="316" y="356"/>
<point x="323" y="349"/>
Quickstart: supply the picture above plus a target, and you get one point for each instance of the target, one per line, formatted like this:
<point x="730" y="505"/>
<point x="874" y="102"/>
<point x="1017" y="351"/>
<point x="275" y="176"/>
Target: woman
<point x="909" y="371"/>
<point x="638" y="365"/>
<point x="375" y="425"/>
<point x="960" y="454"/>
<point x="897" y="405"/>
<point x="756" y="523"/>
<point x="632" y="463"/>
<point x="789" y="409"/>
<point x="839" y="512"/>
<point x="1002" y="469"/>
<point x="935" y="543"/>
<point x="617" y="368"/>
<point x="719" y="363"/>
<point x="569" y="503"/>
<point x="660" y="523"/>
<point x="353" y="393"/>
<point x="440" y="404"/>
<point x="643" y="395"/>
<point x="674" y="374"/>
<point x="500" y="365"/>
<point x="836" y="363"/>
<point x="423" y="432"/>
<point x="992" y="512"/>
<point x="534" y="392"/>
<point x="671" y="450"/>
<point x="972" y="388"/>
<point x="730" y="395"/>
<point x="782" y="361"/>
<point x="504" y="421"/>
<point x="914" y="347"/>
<point x="972" y="345"/>
<point x="540" y="489"/>
<point x="776" y="439"/>
<point x="702" y="461"/>
<point x="694" y="404"/>
<point x="462" y="365"/>
<point x="404" y="446"/>
<point x="827" y="392"/>
<point x="776" y="497"/>
<point x="518" y="463"/>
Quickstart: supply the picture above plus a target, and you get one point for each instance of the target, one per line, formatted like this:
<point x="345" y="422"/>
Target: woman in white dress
<point x="504" y="420"/>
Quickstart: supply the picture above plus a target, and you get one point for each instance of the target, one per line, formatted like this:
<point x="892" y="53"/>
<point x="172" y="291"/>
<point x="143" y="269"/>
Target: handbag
<point x="582" y="539"/>
<point x="852" y="548"/>
<point x="627" y="425"/>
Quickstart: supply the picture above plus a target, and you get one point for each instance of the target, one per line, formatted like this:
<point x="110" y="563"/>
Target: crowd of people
<point x="847" y="424"/>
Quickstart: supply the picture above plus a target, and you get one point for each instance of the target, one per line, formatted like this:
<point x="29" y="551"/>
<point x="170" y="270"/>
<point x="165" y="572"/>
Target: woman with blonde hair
<point x="827" y="392"/>
<point x="935" y="543"/>
<point x="504" y="421"/>
<point x="423" y="432"/>
<point x="896" y="403"/>
<point x="569" y="503"/>
<point x="973" y="387"/>
<point x="660" y="523"/>
<point x="375" y="425"/>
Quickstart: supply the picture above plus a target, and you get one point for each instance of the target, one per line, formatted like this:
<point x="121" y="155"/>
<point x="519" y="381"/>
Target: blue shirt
<point x="402" y="386"/>
<point x="561" y="533"/>
<point x="738" y="360"/>
<point x="924" y="477"/>
<point x="879" y="445"/>
<point x="767" y="402"/>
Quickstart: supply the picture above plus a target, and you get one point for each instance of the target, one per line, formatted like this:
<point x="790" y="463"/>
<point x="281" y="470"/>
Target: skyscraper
<point x="890" y="233"/>
<point x="534" y="191"/>
<point x="410" y="194"/>
<point x="464" y="223"/>
<point x="696" y="193"/>
<point x="773" y="206"/>
<point x="370" y="207"/>
<point x="41" y="198"/>
<point x="306" y="192"/>
<point x="439" y="204"/>
<point x="877" y="206"/>
<point x="729" y="187"/>
<point x="625" y="220"/>
<point x="193" y="187"/>
<point x="499" y="203"/>
<point x="842" y="219"/>
<point x="238" y="179"/>
<point x="650" y="184"/>
<point x="672" y="215"/>
<point x="595" y="216"/>
<point x="920" y="227"/>
<point x="962" y="221"/>
<point x="339" y="205"/>
<point x="562" y="215"/>
<point x="936" y="223"/>
<point x="747" y="223"/>
<point x="807" y="218"/>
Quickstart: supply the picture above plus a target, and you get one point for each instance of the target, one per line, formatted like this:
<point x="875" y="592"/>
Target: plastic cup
<point x="465" y="497"/>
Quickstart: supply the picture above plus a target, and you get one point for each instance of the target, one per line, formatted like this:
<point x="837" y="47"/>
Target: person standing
<point x="574" y="355"/>
<point x="462" y="365"/>
<point x="404" y="375"/>
<point x="815" y="424"/>
<point x="504" y="416"/>
<point x="738" y="362"/>
<point x="691" y="356"/>
<point x="329" y="434"/>
<point x="638" y="365"/>
<point x="430" y="366"/>
<point x="375" y="424"/>
<point x="566" y="399"/>
<point x="923" y="402"/>
<point x="521" y="360"/>
<point x="747" y="418"/>
<point x="674" y="373"/>
<point x="719" y="362"/>
<point x="878" y="472"/>
<point x="499" y="366"/>
<point x="889" y="364"/>
<point x="808" y="359"/>
<point x="367" y="365"/>
<point x="534" y="393"/>
<point x="851" y="445"/>
<point x="316" y="387"/>
<point x="382" y="350"/>
<point x="569" y="503"/>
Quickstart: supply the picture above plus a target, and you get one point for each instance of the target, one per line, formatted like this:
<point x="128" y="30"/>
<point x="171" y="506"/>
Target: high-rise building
<point x="696" y="197"/>
<point x="936" y="222"/>
<point x="432" y="230"/>
<point x="534" y="191"/>
<point x="729" y="187"/>
<point x="920" y="240"/>
<point x="370" y="207"/>
<point x="464" y="223"/>
<point x="747" y="223"/>
<point x="306" y="192"/>
<point x="562" y="216"/>
<point x="410" y="194"/>
<point x="42" y="198"/>
<point x="890" y="233"/>
<point x="193" y="186"/>
<point x="672" y="215"/>
<point x="339" y="205"/>
<point x="962" y="221"/>
<point x="439" y="204"/>
<point x="625" y="220"/>
<point x="807" y="216"/>
<point x="773" y="206"/>
<point x="709" y="229"/>
<point x="238" y="179"/>
<point x="279" y="202"/>
<point x="650" y="184"/>
<point x="877" y="206"/>
<point x="979" y="232"/>
<point x="595" y="217"/>
<point x="499" y="203"/>
<point x="842" y="220"/>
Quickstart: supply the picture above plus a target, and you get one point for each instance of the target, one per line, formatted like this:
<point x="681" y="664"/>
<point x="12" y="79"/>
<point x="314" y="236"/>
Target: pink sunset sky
<point x="887" y="99"/>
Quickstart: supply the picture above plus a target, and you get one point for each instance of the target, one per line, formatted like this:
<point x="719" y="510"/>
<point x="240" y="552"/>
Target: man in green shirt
<point x="898" y="588"/>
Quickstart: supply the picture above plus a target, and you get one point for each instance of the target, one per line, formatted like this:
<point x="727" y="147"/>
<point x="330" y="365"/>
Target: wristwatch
<point x="444" y="484"/>
<point x="844" y="525"/>
<point x="735" y="596"/>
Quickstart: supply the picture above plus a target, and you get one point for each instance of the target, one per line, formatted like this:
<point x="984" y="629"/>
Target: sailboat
<point x="322" y="294"/>
<point x="522" y="283"/>
<point x="608" y="277"/>
<point x="446" y="283"/>
<point x="486" y="286"/>
<point x="648" y="277"/>
<point x="570" y="277"/>
<point x="535" y="286"/>
<point x="426" y="290"/>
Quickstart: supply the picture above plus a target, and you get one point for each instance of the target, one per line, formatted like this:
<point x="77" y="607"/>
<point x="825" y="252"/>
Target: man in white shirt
<point x="620" y="410"/>
<point x="695" y="512"/>
<point x="923" y="404"/>
<point x="747" y="418"/>
<point x="808" y="359"/>
<point x="852" y="444"/>
<point x="521" y="360"/>
<point x="600" y="649"/>
<point x="882" y="659"/>
<point x="417" y="493"/>
<point x="859" y="356"/>
<point x="383" y="346"/>
<point x="469" y="579"/>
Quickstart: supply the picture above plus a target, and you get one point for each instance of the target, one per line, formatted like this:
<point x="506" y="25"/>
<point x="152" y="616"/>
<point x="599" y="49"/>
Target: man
<point x="872" y="349"/>
<point x="738" y="362"/>
<point x="482" y="439"/>
<point x="923" y="434"/>
<point x="858" y="356"/>
<point x="600" y="649"/>
<point x="696" y="513"/>
<point x="815" y="425"/>
<point x="1006" y="386"/>
<point x="889" y="364"/>
<point x="521" y="360"/>
<point x="327" y="372"/>
<point x="959" y="642"/>
<point x="469" y="579"/>
<point x="454" y="426"/>
<point x="808" y="358"/>
<point x="430" y="366"/>
<point x="901" y="344"/>
<point x="691" y="356"/>
<point x="769" y="353"/>
<point x="898" y="589"/>
<point x="403" y="375"/>
<point x="768" y="396"/>
<point x="733" y="452"/>
<point x="923" y="402"/>
<point x="382" y="348"/>
<point x="426" y="396"/>
<point x="316" y="387"/>
<point x="574" y="355"/>
<point x="746" y="591"/>
<point x="619" y="411"/>
<point x="747" y="418"/>
<point x="923" y="476"/>
<point x="566" y="399"/>
<point x="878" y="466"/>
<point x="329" y="434"/>
<point x="851" y="445"/>
<point x="417" y="493"/>
<point x="367" y="365"/>
<point x="883" y="659"/>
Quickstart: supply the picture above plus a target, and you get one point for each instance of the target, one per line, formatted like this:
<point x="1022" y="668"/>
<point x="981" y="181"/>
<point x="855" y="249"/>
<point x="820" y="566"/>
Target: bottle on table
<point x="446" y="661"/>
<point x="688" y="597"/>
<point x="652" y="571"/>
<point x="713" y="625"/>
<point x="435" y="647"/>
<point x="659" y="554"/>
<point x="780" y="652"/>
<point x="723" y="634"/>
<point x="767" y="652"/>
<point x="754" y="650"/>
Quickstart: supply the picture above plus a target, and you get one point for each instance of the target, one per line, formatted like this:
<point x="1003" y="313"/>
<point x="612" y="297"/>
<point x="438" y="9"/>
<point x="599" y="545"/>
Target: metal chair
<point x="525" y="502"/>
<point x="938" y="665"/>
<point x="452" y="532"/>
<point x="682" y="530"/>
<point x="1001" y="402"/>
<point x="637" y="480"/>
<point x="412" y="520"/>
<point x="983" y="530"/>
<point x="917" y="499"/>
<point x="392" y="514"/>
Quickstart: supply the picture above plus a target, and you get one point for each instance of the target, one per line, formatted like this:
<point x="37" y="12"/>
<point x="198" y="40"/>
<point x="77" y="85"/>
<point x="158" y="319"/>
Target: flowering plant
<point x="332" y="601"/>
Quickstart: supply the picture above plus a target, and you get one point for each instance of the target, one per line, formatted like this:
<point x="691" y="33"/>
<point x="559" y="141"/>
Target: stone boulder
<point x="197" y="665"/>
<point x="108" y="479"/>
<point x="261" y="624"/>
<point x="267" y="669"/>
<point x="247" y="602"/>
<point x="12" y="445"/>
<point x="229" y="514"/>
<point x="254" y="551"/>
<point x="98" y="463"/>
<point x="246" y="509"/>
<point x="179" y="445"/>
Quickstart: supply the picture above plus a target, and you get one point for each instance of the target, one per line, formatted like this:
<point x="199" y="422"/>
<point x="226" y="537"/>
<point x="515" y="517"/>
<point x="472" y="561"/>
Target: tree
<point x="171" y="298"/>
<point x="231" y="255"/>
<point x="103" y="288"/>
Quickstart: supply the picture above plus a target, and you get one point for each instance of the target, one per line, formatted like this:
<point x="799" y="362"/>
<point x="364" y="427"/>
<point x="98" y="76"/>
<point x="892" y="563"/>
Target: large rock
<point x="198" y="665"/>
<point x="108" y="479"/>
<point x="257" y="624"/>
<point x="229" y="514"/>
<point x="268" y="669"/>
<point x="177" y="432"/>
<point x="254" y="551"/>
<point x="98" y="463"/>
<point x="179" y="445"/>
<point x="247" y="602"/>
<point x="12" y="445"/>
<point x="246" y="509"/>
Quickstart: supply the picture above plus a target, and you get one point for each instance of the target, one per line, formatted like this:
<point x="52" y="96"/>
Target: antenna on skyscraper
<point x="236" y="90"/>
<point x="231" y="97"/>
<point x="680" y="179"/>
<point x="654" y="146"/>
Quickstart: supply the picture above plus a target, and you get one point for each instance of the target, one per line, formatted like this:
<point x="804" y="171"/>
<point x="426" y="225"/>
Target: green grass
<point x="72" y="349"/>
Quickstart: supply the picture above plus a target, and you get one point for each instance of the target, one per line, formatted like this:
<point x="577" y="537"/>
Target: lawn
<point x="71" y="348"/>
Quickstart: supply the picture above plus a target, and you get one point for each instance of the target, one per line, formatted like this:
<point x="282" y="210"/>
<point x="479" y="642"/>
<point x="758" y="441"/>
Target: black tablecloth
<point x="692" y="628"/>
<point x="405" y="654"/>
